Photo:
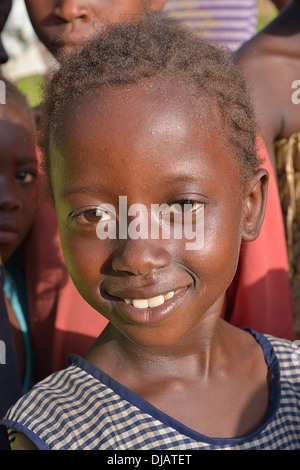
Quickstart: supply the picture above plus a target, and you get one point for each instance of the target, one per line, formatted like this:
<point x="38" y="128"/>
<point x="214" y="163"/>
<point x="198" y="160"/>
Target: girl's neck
<point x="196" y="354"/>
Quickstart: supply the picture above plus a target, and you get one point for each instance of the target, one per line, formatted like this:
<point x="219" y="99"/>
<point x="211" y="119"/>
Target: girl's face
<point x="151" y="145"/>
<point x="64" y="25"/>
<point x="18" y="178"/>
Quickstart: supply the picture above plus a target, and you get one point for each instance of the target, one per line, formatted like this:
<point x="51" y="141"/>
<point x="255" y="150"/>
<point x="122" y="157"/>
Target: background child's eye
<point x="25" y="176"/>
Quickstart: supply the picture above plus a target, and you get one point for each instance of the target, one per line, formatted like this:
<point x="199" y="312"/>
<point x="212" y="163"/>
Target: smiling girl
<point x="136" y="115"/>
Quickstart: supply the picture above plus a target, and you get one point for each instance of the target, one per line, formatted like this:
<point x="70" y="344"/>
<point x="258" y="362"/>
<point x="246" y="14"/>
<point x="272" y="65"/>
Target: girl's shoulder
<point x="287" y="355"/>
<point x="38" y="405"/>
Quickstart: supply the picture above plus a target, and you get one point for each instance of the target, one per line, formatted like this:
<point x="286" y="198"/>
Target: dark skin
<point x="271" y="62"/>
<point x="18" y="178"/>
<point x="64" y="25"/>
<point x="5" y="7"/>
<point x="18" y="192"/>
<point x="180" y="354"/>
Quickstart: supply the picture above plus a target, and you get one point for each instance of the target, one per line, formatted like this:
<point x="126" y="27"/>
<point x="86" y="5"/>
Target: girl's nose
<point x="140" y="257"/>
<point x="70" y="10"/>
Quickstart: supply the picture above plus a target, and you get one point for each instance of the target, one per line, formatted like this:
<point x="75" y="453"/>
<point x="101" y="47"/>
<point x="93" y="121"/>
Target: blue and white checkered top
<point x="81" y="407"/>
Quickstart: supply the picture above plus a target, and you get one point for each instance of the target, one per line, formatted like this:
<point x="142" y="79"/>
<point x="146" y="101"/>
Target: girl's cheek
<point x="85" y="256"/>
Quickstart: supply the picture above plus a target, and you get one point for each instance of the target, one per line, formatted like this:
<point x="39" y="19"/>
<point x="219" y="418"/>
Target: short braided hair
<point x="131" y="52"/>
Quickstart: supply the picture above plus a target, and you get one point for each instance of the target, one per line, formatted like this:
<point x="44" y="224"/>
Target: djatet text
<point x="155" y="459"/>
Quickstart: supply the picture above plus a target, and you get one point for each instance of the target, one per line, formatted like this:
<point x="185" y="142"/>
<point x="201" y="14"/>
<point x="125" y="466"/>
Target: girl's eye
<point x="25" y="176"/>
<point x="92" y="216"/>
<point x="185" y="206"/>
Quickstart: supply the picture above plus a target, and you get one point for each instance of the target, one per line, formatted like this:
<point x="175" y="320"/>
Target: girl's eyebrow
<point x="94" y="188"/>
<point x="167" y="180"/>
<point x="181" y="179"/>
<point x="196" y="178"/>
<point x="80" y="190"/>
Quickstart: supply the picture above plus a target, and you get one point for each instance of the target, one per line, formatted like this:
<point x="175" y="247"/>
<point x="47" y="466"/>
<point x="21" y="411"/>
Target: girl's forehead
<point x="164" y="106"/>
<point x="147" y="131"/>
<point x="157" y="120"/>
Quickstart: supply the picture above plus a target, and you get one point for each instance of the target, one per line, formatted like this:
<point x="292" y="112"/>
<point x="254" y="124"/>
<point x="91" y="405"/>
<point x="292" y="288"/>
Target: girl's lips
<point x="148" y="314"/>
<point x="150" y="302"/>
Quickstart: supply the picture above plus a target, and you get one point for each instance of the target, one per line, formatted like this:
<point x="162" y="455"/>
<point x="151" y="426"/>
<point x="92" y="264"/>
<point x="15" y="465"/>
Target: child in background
<point x="167" y="372"/>
<point x="11" y="375"/>
<point x="18" y="199"/>
<point x="63" y="26"/>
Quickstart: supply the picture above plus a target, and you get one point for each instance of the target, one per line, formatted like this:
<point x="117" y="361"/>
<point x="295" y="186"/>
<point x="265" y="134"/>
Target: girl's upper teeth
<point x="152" y="302"/>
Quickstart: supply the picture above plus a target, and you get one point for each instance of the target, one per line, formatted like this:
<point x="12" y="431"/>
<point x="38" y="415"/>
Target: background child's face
<point x="5" y="7"/>
<point x="18" y="180"/>
<point x="153" y="145"/>
<point x="64" y="25"/>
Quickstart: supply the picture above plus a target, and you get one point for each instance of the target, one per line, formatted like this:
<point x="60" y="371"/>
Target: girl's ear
<point x="157" y="5"/>
<point x="255" y="205"/>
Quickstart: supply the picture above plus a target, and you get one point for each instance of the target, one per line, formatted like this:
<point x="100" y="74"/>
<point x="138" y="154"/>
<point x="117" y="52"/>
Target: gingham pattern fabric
<point x="83" y="408"/>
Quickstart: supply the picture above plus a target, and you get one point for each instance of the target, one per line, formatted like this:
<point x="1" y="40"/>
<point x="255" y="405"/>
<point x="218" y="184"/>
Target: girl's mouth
<point x="149" y="310"/>
<point x="152" y="302"/>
